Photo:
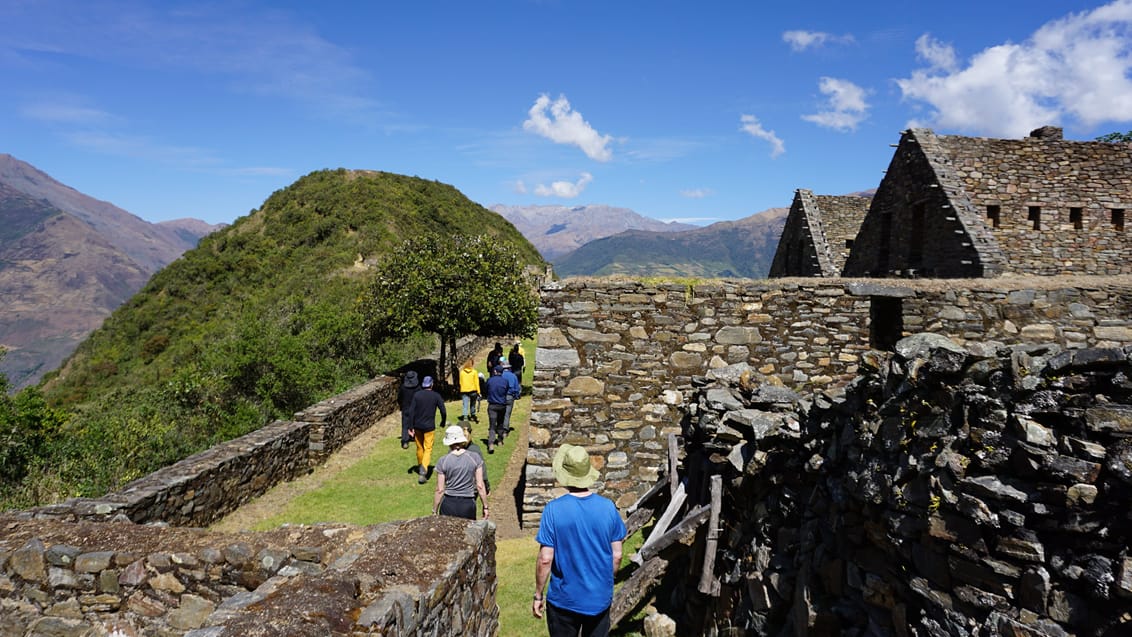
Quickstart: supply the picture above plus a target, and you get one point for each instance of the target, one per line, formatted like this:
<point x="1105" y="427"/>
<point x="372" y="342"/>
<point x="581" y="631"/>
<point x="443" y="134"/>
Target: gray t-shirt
<point x="459" y="473"/>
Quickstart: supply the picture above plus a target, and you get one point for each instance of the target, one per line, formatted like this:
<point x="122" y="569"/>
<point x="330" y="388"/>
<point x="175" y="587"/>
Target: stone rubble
<point x="946" y="491"/>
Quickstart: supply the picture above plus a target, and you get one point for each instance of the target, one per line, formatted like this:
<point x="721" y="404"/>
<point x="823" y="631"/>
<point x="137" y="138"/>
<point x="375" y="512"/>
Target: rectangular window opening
<point x="1118" y="219"/>
<point x="1035" y="215"/>
<point x="1076" y="217"/>
<point x="994" y="215"/>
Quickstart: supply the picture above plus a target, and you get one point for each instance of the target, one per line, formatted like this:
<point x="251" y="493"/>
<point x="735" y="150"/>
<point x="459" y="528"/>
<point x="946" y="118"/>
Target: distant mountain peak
<point x="557" y="230"/>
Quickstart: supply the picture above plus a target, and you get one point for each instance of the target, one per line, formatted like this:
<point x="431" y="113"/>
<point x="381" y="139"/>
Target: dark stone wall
<point x="946" y="491"/>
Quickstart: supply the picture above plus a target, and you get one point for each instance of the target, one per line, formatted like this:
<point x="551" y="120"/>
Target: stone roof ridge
<point x="813" y="215"/>
<point x="992" y="258"/>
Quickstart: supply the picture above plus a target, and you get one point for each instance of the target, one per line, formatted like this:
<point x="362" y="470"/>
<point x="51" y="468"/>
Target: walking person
<point x="579" y="538"/>
<point x="469" y="390"/>
<point x="422" y="415"/>
<point x="459" y="477"/>
<point x="496" y="407"/>
<point x="494" y="356"/>
<point x="514" y="390"/>
<point x="409" y="387"/>
<point x="515" y="357"/>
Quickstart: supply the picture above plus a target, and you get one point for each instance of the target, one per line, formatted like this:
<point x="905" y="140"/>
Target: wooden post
<point x="673" y="479"/>
<point x="709" y="584"/>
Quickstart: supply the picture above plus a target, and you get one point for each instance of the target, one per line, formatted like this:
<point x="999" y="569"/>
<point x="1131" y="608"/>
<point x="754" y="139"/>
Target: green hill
<point x="728" y="249"/>
<point x="260" y="320"/>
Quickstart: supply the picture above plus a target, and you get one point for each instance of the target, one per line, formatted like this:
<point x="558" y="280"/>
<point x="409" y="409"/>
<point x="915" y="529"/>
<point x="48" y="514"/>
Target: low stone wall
<point x="616" y="358"/>
<point x="948" y="491"/>
<point x="429" y="576"/>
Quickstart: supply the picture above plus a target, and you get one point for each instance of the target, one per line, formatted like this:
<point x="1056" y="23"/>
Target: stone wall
<point x="615" y="359"/>
<point x="947" y="491"/>
<point x="88" y="579"/>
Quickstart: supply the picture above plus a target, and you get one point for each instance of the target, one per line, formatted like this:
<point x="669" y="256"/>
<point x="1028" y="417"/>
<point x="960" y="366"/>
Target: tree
<point x="1116" y="138"/>
<point x="451" y="286"/>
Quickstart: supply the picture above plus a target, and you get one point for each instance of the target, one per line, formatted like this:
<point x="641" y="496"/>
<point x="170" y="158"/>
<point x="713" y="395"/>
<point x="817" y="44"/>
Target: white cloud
<point x="939" y="55"/>
<point x="802" y="40"/>
<point x="567" y="126"/>
<point x="564" y="189"/>
<point x="697" y="193"/>
<point x="520" y="187"/>
<point x="750" y="124"/>
<point x="1072" y="69"/>
<point x="59" y="112"/>
<point x="845" y="105"/>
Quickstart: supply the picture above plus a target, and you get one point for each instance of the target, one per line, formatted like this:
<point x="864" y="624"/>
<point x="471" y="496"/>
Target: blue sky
<point x="679" y="110"/>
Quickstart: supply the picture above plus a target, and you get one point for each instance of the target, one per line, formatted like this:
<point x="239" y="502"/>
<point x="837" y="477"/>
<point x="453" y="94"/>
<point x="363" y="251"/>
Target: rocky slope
<point x="66" y="261"/>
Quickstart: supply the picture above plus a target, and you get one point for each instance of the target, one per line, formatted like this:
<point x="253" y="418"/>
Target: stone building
<point x="952" y="206"/>
<point x="818" y="234"/>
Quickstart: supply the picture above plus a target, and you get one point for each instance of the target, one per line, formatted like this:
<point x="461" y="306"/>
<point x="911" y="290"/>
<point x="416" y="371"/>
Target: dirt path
<point x="505" y="500"/>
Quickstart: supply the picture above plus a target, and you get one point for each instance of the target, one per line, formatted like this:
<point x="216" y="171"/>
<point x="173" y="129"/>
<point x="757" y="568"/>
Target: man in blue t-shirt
<point x="579" y="538"/>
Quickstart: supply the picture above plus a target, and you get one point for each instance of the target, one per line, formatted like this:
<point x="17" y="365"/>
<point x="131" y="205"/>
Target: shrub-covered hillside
<point x="261" y="319"/>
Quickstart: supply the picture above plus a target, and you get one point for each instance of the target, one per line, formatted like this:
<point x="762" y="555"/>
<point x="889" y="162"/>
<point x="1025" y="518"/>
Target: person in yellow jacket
<point x="469" y="391"/>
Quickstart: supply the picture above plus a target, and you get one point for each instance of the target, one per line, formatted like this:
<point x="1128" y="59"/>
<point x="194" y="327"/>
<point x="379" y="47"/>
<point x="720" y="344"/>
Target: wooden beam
<point x="655" y="489"/>
<point x="682" y="532"/>
<point x="665" y="519"/>
<point x="638" y="519"/>
<point x="673" y="453"/>
<point x="636" y="589"/>
<point x="709" y="583"/>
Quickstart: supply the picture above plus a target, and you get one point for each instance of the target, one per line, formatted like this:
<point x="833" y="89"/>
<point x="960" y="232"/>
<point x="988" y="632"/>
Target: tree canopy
<point x="452" y="286"/>
<point x="1116" y="138"/>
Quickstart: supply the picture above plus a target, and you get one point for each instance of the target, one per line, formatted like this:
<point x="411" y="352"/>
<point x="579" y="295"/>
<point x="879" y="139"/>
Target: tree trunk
<point x="441" y="363"/>
<point x="454" y="367"/>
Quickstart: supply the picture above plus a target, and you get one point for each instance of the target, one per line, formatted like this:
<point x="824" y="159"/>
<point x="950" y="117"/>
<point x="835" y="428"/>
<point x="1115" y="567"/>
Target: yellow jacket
<point x="469" y="380"/>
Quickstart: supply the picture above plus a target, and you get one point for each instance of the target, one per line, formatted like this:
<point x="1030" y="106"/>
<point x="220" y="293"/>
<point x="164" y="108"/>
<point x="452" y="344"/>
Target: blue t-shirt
<point x="581" y="531"/>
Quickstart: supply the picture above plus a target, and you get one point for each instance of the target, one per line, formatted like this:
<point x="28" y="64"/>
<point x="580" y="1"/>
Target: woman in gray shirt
<point x="459" y="477"/>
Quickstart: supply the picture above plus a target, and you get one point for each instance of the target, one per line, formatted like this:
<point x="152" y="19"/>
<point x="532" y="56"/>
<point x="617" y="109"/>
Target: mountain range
<point x="66" y="261"/>
<point x="558" y="230"/>
<point x="728" y="249"/>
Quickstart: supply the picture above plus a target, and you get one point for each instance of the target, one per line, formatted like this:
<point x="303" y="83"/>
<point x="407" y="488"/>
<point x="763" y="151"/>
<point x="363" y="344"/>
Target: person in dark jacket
<point x="517" y="361"/>
<point x="422" y="416"/>
<point x="496" y="407"/>
<point x="409" y="387"/>
<point x="494" y="357"/>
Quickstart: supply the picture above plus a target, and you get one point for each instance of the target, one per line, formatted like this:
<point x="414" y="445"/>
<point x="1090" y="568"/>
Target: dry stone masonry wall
<point x="615" y="359"/>
<point x="948" y="491"/>
<point x="90" y="579"/>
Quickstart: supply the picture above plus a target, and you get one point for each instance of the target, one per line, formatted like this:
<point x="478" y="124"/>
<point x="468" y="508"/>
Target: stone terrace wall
<point x="203" y="488"/>
<point x="87" y="578"/>
<point x="616" y="358"/>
